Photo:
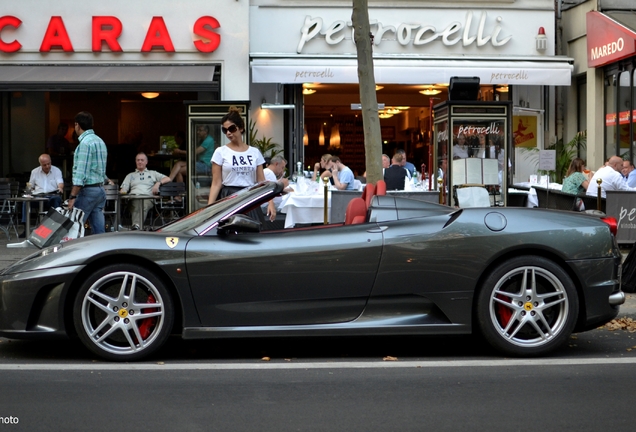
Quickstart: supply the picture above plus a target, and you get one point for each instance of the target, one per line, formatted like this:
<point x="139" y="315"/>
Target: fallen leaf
<point x="160" y="363"/>
<point x="390" y="358"/>
<point x="287" y="359"/>
<point x="266" y="359"/>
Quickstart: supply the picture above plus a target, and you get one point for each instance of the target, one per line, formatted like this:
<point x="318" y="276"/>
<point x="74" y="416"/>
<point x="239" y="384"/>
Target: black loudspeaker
<point x="463" y="88"/>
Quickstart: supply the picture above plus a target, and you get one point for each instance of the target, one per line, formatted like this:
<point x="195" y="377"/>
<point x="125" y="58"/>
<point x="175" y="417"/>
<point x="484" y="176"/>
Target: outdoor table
<point x="304" y="209"/>
<point x="128" y="197"/>
<point x="29" y="200"/>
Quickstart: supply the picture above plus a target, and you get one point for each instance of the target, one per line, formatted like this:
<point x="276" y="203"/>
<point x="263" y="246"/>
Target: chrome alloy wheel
<point x="529" y="306"/>
<point x="122" y="313"/>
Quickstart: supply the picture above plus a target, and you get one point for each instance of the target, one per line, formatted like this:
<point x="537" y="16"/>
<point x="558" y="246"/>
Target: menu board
<point x="475" y="171"/>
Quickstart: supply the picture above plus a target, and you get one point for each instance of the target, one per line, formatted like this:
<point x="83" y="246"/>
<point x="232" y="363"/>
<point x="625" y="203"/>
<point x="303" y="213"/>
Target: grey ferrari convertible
<point x="523" y="278"/>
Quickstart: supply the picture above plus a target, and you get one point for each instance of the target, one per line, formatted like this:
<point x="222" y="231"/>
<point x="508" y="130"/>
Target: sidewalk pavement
<point x="10" y="255"/>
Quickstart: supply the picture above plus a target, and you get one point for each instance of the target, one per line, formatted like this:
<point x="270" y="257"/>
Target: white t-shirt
<point x="239" y="168"/>
<point x="45" y="183"/>
<point x="269" y="175"/>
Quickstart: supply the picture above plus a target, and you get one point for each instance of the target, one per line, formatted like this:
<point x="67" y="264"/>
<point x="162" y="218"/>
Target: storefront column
<point x="595" y="118"/>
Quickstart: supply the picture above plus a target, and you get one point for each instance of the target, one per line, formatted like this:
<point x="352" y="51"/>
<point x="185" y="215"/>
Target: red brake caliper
<point x="146" y="326"/>
<point x="503" y="312"/>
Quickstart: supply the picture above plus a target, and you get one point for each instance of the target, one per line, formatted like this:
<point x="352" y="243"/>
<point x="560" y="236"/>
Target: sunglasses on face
<point x="231" y="129"/>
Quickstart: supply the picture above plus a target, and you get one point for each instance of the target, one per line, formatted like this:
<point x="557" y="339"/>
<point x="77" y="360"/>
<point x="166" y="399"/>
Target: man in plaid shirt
<point x="89" y="172"/>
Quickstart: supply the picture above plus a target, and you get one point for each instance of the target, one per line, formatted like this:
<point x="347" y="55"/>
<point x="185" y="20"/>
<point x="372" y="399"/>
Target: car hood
<point x="156" y="246"/>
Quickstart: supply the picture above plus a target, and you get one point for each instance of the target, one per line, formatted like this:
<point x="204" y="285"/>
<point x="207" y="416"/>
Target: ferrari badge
<point x="172" y="241"/>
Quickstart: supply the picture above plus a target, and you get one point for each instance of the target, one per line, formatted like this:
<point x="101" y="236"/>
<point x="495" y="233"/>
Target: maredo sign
<point x="607" y="40"/>
<point x="106" y="31"/>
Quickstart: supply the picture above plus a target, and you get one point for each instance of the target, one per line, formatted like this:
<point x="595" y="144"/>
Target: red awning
<point x="608" y="40"/>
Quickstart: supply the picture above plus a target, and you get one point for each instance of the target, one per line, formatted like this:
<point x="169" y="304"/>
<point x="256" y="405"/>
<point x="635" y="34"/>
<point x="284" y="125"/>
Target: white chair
<point x="473" y="196"/>
<point x="357" y="185"/>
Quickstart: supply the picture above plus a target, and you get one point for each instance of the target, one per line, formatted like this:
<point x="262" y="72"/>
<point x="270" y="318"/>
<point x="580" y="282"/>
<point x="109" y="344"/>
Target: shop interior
<point x="333" y="126"/>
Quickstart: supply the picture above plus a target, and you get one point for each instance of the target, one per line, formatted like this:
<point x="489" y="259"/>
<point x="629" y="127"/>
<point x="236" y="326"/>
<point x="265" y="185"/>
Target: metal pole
<point x="598" y="193"/>
<point x="326" y="203"/>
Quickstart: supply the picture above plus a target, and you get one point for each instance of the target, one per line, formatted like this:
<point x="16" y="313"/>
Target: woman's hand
<point x="271" y="211"/>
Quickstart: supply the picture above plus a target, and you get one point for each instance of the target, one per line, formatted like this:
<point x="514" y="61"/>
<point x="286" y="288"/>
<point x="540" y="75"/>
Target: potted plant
<point x="265" y="145"/>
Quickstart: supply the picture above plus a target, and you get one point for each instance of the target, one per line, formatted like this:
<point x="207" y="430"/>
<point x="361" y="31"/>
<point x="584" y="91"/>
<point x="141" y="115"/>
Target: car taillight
<point x="613" y="224"/>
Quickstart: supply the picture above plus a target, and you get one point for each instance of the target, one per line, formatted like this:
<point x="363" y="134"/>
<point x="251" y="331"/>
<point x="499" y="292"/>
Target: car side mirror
<point x="239" y="223"/>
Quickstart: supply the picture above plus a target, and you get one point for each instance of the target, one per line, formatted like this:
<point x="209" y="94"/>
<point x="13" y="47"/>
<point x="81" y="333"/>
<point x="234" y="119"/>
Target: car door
<point x="308" y="276"/>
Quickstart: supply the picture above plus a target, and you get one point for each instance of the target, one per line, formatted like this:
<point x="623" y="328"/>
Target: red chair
<point x="380" y="187"/>
<point x="356" y="211"/>
<point x="368" y="193"/>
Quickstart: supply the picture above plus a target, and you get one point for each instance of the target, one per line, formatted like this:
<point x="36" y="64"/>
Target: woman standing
<point x="236" y="165"/>
<point x="575" y="181"/>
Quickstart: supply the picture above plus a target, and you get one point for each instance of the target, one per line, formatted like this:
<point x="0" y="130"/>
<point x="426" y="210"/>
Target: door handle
<point x="379" y="229"/>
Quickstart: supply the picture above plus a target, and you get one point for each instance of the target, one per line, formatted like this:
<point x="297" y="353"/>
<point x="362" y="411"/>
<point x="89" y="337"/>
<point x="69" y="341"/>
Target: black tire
<point x="114" y="327"/>
<point x="527" y="306"/>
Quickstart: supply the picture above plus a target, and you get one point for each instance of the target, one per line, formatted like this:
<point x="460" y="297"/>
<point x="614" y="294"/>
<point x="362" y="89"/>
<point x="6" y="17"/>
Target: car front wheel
<point x="527" y="306"/>
<point x="123" y="312"/>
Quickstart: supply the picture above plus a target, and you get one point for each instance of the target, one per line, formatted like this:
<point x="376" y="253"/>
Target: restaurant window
<point x="624" y="110"/>
<point x="581" y="123"/>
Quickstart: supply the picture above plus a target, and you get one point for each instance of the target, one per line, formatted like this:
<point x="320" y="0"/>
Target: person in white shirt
<point x="460" y="150"/>
<point x="46" y="181"/>
<point x="275" y="172"/>
<point x="237" y="165"/>
<point x="629" y="173"/>
<point x="611" y="177"/>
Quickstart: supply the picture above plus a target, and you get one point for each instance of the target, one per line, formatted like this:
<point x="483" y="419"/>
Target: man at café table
<point x="47" y="182"/>
<point x="340" y="173"/>
<point x="142" y="182"/>
<point x="611" y="176"/>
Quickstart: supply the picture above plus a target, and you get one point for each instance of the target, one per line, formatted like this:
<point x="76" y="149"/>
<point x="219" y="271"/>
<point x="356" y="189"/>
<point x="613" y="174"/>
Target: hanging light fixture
<point x="321" y="137"/>
<point x="502" y="89"/>
<point x="378" y="87"/>
<point x="150" y="95"/>
<point x="430" y="91"/>
<point x="309" y="91"/>
<point x="334" y="139"/>
<point x="305" y="136"/>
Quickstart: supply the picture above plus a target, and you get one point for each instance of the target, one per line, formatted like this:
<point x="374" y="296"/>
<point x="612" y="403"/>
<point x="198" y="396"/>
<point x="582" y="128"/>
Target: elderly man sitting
<point x="46" y="181"/>
<point x="142" y="182"/>
<point x="611" y="176"/>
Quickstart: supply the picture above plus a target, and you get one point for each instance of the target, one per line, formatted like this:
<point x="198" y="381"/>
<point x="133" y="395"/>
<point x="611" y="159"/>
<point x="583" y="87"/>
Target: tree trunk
<point x="368" y="99"/>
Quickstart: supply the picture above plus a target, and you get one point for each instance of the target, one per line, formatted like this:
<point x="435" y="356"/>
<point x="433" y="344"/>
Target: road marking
<point x="315" y="365"/>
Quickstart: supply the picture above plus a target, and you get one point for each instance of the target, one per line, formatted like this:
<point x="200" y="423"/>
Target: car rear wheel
<point x="527" y="306"/>
<point x="123" y="312"/>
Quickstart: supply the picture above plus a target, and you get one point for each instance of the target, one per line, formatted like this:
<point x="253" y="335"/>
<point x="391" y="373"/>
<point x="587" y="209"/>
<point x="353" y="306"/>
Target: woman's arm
<point x="217" y="182"/>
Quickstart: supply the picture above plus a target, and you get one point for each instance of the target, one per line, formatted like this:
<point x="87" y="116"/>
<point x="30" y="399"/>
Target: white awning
<point x="557" y="72"/>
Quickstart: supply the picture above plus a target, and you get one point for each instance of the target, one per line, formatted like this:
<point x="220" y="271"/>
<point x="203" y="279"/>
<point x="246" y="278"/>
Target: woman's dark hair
<point x="235" y="117"/>
<point x="84" y="120"/>
<point x="576" y="165"/>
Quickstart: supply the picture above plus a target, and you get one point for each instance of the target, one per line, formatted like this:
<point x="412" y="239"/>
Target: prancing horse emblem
<point x="172" y="241"/>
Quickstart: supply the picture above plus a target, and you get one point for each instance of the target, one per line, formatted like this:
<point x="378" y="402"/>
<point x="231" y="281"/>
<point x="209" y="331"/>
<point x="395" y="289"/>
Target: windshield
<point x="206" y="216"/>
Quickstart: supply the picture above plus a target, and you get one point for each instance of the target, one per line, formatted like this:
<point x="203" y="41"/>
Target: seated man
<point x="341" y="174"/>
<point x="274" y="172"/>
<point x="142" y="182"/>
<point x="611" y="177"/>
<point x="395" y="175"/>
<point x="46" y="181"/>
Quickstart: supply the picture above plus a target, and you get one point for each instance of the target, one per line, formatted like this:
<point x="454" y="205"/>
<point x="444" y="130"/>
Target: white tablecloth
<point x="304" y="209"/>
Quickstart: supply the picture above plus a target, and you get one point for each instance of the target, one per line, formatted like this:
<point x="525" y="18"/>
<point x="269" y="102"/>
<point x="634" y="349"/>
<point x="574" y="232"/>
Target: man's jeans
<point x="92" y="201"/>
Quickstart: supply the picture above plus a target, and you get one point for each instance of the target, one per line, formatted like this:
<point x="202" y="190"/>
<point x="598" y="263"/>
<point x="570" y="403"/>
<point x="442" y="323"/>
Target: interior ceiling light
<point x="378" y="87"/>
<point x="392" y="111"/>
<point x="442" y="85"/>
<point x="308" y="91"/>
<point x="385" y="115"/>
<point x="430" y="91"/>
<point x="150" y="95"/>
<point x="502" y="89"/>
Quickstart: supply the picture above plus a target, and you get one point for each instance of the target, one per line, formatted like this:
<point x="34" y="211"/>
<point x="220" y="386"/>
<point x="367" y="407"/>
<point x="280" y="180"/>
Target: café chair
<point x="380" y="188"/>
<point x="473" y="196"/>
<point x="8" y="213"/>
<point x="111" y="208"/>
<point x="168" y="208"/>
